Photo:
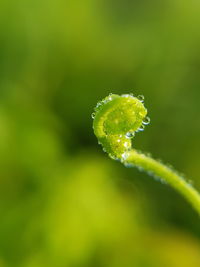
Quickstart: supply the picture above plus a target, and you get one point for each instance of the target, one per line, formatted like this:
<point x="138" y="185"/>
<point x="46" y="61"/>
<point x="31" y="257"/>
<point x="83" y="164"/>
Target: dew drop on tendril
<point x="126" y="95"/>
<point x="126" y="144"/>
<point x="191" y="183"/>
<point x="147" y="154"/>
<point x="142" y="127"/>
<point x="93" y="115"/>
<point x="146" y="121"/>
<point x="130" y="134"/>
<point x="140" y="98"/>
<point x="112" y="156"/>
<point x="125" y="155"/>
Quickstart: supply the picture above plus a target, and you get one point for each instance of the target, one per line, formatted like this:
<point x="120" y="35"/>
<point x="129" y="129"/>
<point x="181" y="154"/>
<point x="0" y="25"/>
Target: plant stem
<point x="170" y="176"/>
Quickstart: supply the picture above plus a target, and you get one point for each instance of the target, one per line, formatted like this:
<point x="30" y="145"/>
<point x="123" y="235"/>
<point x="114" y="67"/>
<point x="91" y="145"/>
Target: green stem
<point x="167" y="174"/>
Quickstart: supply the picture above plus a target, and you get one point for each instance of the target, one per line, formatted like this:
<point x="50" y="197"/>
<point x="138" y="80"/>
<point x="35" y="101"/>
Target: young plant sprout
<point x="116" y="120"/>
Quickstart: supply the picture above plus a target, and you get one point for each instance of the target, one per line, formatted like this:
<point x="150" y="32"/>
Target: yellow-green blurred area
<point x="63" y="202"/>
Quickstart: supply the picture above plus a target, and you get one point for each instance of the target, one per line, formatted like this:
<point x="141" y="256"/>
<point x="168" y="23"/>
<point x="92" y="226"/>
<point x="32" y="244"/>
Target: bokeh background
<point x="63" y="202"/>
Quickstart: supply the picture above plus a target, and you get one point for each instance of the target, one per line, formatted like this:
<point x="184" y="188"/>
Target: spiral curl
<point x="116" y="120"/>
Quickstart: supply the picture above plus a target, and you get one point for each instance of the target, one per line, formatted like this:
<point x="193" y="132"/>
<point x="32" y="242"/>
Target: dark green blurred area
<point x="63" y="202"/>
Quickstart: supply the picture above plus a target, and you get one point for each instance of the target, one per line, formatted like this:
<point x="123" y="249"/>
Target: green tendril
<point x="116" y="120"/>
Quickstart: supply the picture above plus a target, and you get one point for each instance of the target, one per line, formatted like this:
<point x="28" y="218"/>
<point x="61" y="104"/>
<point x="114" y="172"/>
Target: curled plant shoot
<point x="116" y="120"/>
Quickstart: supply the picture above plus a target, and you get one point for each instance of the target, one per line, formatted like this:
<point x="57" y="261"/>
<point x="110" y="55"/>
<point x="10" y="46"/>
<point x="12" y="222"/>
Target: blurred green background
<point x="63" y="202"/>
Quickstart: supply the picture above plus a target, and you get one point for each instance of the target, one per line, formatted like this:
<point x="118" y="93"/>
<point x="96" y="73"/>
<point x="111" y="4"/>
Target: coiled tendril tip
<point x="116" y="120"/>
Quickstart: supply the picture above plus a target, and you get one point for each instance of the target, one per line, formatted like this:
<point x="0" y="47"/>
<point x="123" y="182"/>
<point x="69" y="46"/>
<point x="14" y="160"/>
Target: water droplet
<point x="128" y="165"/>
<point x="142" y="127"/>
<point x="93" y="115"/>
<point x="130" y="134"/>
<point x="161" y="162"/>
<point x="124" y="156"/>
<point x="113" y="157"/>
<point x="146" y="121"/>
<point x="140" y="98"/>
<point x="126" y="95"/>
<point x="163" y="181"/>
<point x="126" y="144"/>
<point x="191" y="182"/>
<point x="140" y="168"/>
<point x="98" y="105"/>
<point x="149" y="155"/>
